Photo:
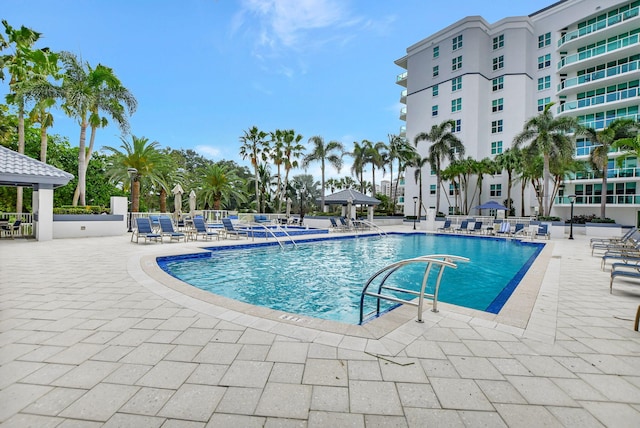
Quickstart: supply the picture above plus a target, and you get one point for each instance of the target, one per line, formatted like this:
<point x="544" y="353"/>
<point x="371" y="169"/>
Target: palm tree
<point x="277" y="157"/>
<point x="323" y="153"/>
<point x="548" y="135"/>
<point x="292" y="150"/>
<point x="445" y="146"/>
<point x="418" y="162"/>
<point x="510" y="160"/>
<point x="253" y="142"/>
<point x="398" y="147"/>
<point x="359" y="159"/>
<point x="220" y="185"/>
<point x="603" y="140"/>
<point x="87" y="92"/>
<point x="375" y="155"/>
<point x="141" y="155"/>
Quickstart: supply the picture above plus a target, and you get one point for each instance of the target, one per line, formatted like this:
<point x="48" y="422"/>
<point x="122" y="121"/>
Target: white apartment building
<point x="388" y="188"/>
<point x="583" y="55"/>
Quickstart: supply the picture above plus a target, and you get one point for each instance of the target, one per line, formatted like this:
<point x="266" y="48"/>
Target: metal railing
<point x="600" y="74"/>
<point x="597" y="199"/>
<point x="597" y="26"/>
<point x="598" y="99"/>
<point x="598" y="50"/>
<point x="602" y="123"/>
<point x="633" y="172"/>
<point x="441" y="261"/>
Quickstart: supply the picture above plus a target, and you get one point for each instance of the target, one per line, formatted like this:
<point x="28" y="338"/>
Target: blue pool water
<point x="324" y="278"/>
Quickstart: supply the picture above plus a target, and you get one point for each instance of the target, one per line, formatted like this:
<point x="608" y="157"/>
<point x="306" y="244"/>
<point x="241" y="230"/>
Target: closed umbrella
<point x="177" y="200"/>
<point x="192" y="202"/>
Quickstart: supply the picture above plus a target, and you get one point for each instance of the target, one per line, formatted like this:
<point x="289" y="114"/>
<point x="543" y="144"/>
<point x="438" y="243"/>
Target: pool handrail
<point x="442" y="260"/>
<point x="279" y="229"/>
<point x="371" y="224"/>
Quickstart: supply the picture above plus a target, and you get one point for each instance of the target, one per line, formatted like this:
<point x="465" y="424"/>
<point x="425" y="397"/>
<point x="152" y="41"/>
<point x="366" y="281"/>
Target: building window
<point x="436" y="51"/>
<point x="434" y="91"/>
<point x="456" y="105"/>
<point x="456" y="63"/>
<point x="458" y="126"/>
<point x="456" y="84"/>
<point x="498" y="63"/>
<point x="496" y="190"/>
<point x="497" y="84"/>
<point x="544" y="40"/>
<point x="496" y="147"/>
<point x="496" y="126"/>
<point x="498" y="42"/>
<point x="544" y="83"/>
<point x="432" y="189"/>
<point x="452" y="189"/>
<point x="497" y="105"/>
<point x="436" y="71"/>
<point x="456" y="42"/>
<point x="434" y="110"/>
<point x="542" y="102"/>
<point x="544" y="61"/>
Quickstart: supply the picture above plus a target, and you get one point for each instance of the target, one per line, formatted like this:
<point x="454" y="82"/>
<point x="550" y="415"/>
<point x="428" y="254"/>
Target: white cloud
<point x="208" y="151"/>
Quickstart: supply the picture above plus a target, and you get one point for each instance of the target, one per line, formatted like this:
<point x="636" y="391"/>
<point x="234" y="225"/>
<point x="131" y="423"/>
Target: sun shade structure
<point x="491" y="205"/>
<point x="19" y="170"/>
<point x="350" y="196"/>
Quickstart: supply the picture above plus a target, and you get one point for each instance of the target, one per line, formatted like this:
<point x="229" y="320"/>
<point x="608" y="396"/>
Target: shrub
<point x="82" y="210"/>
<point x="549" y="218"/>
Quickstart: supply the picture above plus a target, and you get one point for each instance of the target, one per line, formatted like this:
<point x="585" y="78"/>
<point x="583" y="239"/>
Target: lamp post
<point x="572" y="199"/>
<point x="415" y="201"/>
<point x="132" y="174"/>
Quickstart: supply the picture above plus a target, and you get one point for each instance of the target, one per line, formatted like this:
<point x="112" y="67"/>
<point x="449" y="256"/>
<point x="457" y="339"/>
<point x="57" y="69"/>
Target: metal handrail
<point x="373" y="225"/>
<point x="441" y="260"/>
<point x="278" y="228"/>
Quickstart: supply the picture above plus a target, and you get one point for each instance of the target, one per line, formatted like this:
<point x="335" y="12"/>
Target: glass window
<point x="432" y="189"/>
<point x="498" y="63"/>
<point x="434" y="110"/>
<point x="456" y="42"/>
<point x="496" y="126"/>
<point x="436" y="71"/>
<point x="497" y="84"/>
<point x="496" y="190"/>
<point x="544" y="61"/>
<point x="456" y="84"/>
<point x="498" y="42"/>
<point x="542" y="102"/>
<point x="456" y="105"/>
<point x="436" y="51"/>
<point x="497" y="105"/>
<point x="544" y="40"/>
<point x="496" y="147"/>
<point x="434" y="91"/>
<point x="458" y="126"/>
<point x="456" y="63"/>
<point x="544" y="83"/>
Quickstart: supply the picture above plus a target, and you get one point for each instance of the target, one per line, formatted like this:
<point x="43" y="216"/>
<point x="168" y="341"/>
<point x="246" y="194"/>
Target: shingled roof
<point x="19" y="170"/>
<point x="345" y="196"/>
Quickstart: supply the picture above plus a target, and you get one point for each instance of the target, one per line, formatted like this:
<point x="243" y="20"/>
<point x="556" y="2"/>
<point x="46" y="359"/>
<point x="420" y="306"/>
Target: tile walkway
<point x="92" y="335"/>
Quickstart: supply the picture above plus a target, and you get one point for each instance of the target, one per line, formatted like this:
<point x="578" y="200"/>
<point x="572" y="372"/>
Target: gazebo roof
<point x="345" y="196"/>
<point x="20" y="170"/>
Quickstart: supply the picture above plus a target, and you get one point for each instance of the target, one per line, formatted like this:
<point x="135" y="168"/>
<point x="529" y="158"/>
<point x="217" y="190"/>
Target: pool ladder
<point x="278" y="229"/>
<point x="439" y="261"/>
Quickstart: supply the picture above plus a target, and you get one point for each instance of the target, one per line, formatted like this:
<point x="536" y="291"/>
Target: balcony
<point x="401" y="79"/>
<point x="591" y="57"/>
<point x="403" y="131"/>
<point x="587" y="103"/>
<point x="403" y="113"/>
<point x="622" y="22"/>
<point x="598" y="124"/>
<point x="633" y="172"/>
<point x="585" y="81"/>
<point x="403" y="96"/>
<point x="596" y="199"/>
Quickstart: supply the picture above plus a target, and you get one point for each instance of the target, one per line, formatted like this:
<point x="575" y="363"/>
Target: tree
<point x="599" y="157"/>
<point x="304" y="191"/>
<point x="253" y="143"/>
<point x="375" y="155"/>
<point x="138" y="154"/>
<point x="445" y="146"/>
<point x="548" y="136"/>
<point x="219" y="186"/>
<point x="87" y="93"/>
<point x="292" y="150"/>
<point x="510" y="160"/>
<point x="418" y="162"/>
<point x="359" y="159"/>
<point x="400" y="150"/>
<point x="323" y="153"/>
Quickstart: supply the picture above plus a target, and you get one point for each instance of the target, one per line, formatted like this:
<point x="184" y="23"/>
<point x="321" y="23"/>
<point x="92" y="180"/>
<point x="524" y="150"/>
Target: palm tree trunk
<point x="43" y="143"/>
<point x="603" y="191"/>
<point x="163" y="200"/>
<point x="545" y="187"/>
<point x="80" y="196"/>
<point x="135" y="198"/>
<point x="19" y="192"/>
<point x="509" y="183"/>
<point x="439" y="181"/>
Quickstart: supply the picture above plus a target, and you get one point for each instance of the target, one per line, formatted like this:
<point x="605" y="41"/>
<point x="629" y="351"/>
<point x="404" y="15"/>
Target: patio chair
<point x="345" y="224"/>
<point x="231" y="230"/>
<point x="504" y="229"/>
<point x="618" y="270"/>
<point x="201" y="229"/>
<point x="335" y="225"/>
<point x="615" y="240"/>
<point x="543" y="231"/>
<point x="445" y="227"/>
<point x="627" y="243"/>
<point x="11" y="229"/>
<point x="477" y="227"/>
<point x="145" y="230"/>
<point x="519" y="229"/>
<point x="166" y="229"/>
<point x="463" y="227"/>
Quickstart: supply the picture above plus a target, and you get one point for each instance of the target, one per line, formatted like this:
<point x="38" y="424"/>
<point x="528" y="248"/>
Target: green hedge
<point x="82" y="210"/>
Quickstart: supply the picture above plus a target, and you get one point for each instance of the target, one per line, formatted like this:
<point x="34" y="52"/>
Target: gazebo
<point x="19" y="170"/>
<point x="349" y="198"/>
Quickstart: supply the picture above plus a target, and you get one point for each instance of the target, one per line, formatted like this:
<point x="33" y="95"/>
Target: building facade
<point x="582" y="55"/>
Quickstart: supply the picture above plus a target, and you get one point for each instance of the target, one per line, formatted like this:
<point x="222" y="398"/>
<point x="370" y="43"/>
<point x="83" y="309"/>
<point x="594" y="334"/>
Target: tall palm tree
<point x="359" y="159"/>
<point x="88" y="92"/>
<point x="292" y="151"/>
<point x="510" y="160"/>
<point x="398" y="147"/>
<point x="277" y="157"/>
<point x="139" y="154"/>
<point x="375" y="155"/>
<point x="323" y="153"/>
<point x="445" y="146"/>
<point x="253" y="142"/>
<point x="547" y="135"/>
<point x="599" y="157"/>
<point x="220" y="184"/>
<point x="418" y="162"/>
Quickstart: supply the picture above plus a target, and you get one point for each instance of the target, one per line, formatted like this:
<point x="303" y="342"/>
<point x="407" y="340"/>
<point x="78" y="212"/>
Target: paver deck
<point x="92" y="335"/>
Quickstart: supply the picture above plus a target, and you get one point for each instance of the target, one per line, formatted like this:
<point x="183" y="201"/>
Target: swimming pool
<point x="324" y="278"/>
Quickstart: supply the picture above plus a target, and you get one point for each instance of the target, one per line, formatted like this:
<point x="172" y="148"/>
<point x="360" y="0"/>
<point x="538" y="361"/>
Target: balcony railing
<point x="589" y="29"/>
<point x="597" y="199"/>
<point x="598" y="50"/>
<point x="632" y="172"/>
<point x="401" y="77"/>
<point x="601" y="74"/>
<point x="598" y="99"/>
<point x="602" y="123"/>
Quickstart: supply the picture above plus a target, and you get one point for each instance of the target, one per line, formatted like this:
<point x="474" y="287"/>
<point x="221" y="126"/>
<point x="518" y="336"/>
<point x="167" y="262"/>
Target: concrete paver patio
<point x="92" y="335"/>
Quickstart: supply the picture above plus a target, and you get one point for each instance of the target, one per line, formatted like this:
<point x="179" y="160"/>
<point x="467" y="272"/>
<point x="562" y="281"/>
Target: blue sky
<point x="203" y="71"/>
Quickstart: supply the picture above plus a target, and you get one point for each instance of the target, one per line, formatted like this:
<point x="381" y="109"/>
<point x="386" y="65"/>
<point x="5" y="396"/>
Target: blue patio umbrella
<point x="491" y="205"/>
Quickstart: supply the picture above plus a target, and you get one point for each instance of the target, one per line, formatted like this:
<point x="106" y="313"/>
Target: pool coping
<point x="513" y="317"/>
